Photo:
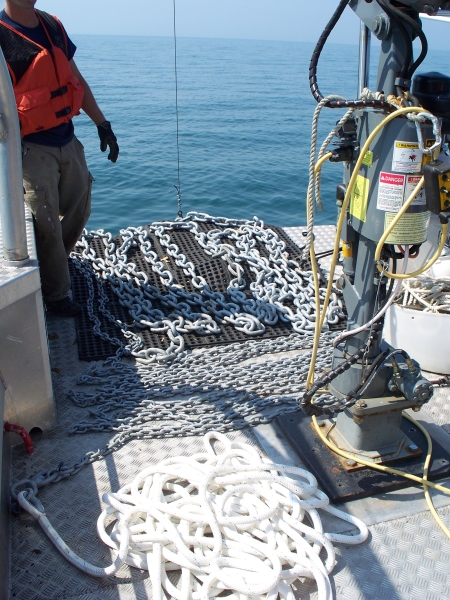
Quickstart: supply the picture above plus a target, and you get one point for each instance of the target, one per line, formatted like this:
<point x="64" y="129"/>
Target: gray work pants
<point x="57" y="186"/>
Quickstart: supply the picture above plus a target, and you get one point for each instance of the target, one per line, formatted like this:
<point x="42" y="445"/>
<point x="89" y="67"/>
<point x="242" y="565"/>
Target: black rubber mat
<point x="93" y="347"/>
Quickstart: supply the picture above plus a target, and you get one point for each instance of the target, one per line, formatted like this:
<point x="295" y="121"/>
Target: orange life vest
<point x="47" y="92"/>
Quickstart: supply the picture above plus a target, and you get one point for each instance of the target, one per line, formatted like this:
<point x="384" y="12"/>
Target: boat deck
<point x="406" y="556"/>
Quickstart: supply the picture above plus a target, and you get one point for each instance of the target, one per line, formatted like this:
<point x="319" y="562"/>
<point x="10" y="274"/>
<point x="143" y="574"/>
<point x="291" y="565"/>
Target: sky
<point x="289" y="20"/>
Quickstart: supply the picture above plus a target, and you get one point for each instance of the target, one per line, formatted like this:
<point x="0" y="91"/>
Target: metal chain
<point x="143" y="399"/>
<point x="229" y="387"/>
<point x="282" y="291"/>
<point x="331" y="405"/>
<point x="238" y="391"/>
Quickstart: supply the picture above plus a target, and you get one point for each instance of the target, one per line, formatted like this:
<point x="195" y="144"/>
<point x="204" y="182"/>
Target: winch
<point x="390" y="142"/>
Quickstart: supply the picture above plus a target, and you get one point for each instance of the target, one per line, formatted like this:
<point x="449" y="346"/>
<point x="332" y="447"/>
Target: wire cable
<point x="177" y="187"/>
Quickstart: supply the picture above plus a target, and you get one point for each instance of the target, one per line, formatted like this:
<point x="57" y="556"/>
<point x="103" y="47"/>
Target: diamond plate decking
<point x="406" y="557"/>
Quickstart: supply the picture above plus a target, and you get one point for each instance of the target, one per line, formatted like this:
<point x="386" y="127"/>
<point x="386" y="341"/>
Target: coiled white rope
<point x="426" y="293"/>
<point x="227" y="520"/>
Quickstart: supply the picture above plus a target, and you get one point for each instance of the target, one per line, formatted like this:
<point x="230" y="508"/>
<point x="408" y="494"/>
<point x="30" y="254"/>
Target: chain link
<point x="281" y="291"/>
<point x="172" y="392"/>
<point x="137" y="401"/>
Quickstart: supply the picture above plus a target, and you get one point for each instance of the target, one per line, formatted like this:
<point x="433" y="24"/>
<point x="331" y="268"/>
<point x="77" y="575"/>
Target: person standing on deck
<point x="49" y="91"/>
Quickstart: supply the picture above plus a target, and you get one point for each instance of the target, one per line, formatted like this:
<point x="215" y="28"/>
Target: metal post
<point x="12" y="210"/>
<point x="364" y="58"/>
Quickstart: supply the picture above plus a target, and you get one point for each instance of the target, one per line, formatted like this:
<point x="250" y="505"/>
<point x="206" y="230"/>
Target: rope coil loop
<point x="226" y="518"/>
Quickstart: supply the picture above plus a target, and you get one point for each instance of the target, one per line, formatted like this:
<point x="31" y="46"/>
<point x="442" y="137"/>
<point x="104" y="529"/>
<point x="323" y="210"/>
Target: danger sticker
<point x="410" y="185"/>
<point x="406" y="158"/>
<point x="390" y="191"/>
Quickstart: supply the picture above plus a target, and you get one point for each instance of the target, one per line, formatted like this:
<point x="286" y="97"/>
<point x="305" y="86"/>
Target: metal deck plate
<point x="341" y="486"/>
<point x="38" y="571"/>
<point x="405" y="557"/>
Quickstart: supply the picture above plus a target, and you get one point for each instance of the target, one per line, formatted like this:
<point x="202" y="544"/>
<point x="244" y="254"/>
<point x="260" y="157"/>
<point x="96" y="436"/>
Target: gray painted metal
<point x="382" y="147"/>
<point x="375" y="435"/>
<point x="364" y="58"/>
<point x="12" y="213"/>
<point x="370" y="13"/>
<point x="361" y="280"/>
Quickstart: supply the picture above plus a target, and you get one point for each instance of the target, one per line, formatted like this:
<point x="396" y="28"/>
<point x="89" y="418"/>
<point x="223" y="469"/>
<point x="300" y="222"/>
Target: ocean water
<point x="245" y="114"/>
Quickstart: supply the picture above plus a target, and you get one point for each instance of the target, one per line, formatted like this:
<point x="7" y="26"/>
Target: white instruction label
<point x="390" y="191"/>
<point x="407" y="158"/>
<point x="411" y="183"/>
<point x="411" y="229"/>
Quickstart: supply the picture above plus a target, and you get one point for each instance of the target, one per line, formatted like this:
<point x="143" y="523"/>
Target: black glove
<point x="107" y="138"/>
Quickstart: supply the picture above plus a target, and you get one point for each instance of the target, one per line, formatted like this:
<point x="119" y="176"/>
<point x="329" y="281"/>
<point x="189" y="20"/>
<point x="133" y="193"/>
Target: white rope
<point x="427" y="294"/>
<point x="227" y="520"/>
<point x="324" y="149"/>
<point x="367" y="94"/>
<point x="312" y="179"/>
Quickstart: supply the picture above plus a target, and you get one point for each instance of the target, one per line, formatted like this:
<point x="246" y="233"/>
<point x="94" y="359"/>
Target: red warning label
<point x="390" y="191"/>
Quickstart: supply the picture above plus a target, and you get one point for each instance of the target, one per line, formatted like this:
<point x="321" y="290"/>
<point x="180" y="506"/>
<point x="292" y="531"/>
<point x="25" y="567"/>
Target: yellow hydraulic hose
<point x="423" y="480"/>
<point x="388" y="231"/>
<point x="342" y="216"/>
<point x="320" y="162"/>
<point x="320" y="317"/>
<point x="428" y="498"/>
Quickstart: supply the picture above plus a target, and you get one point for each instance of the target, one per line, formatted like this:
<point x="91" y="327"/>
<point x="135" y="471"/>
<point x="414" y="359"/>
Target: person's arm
<point x="89" y="105"/>
<point x="92" y="109"/>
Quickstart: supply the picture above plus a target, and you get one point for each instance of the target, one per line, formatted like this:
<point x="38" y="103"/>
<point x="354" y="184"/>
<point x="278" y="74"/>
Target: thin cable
<point x="381" y="312"/>
<point x="177" y="187"/>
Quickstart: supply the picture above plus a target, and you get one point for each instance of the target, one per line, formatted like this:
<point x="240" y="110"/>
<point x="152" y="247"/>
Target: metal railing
<point x="12" y="210"/>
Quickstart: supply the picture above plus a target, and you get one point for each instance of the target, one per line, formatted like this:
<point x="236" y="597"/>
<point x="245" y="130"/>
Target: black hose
<point x="397" y="16"/>
<point x="315" y="61"/>
<point x="319" y="47"/>
<point x="367" y="377"/>
<point x="417" y="28"/>
<point x="373" y="371"/>
<point x="306" y="402"/>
